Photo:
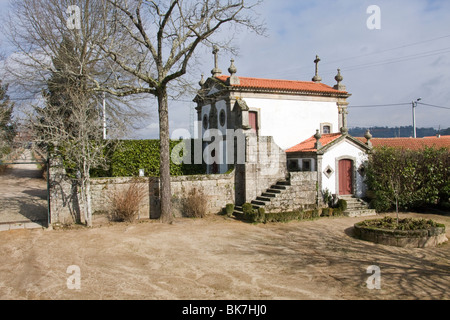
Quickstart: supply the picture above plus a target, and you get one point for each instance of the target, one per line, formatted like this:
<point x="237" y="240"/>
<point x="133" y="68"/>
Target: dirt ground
<point x="218" y="258"/>
<point x="23" y="192"/>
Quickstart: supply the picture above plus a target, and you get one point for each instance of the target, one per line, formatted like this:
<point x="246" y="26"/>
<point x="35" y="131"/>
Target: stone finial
<point x="317" y="136"/>
<point x="202" y="81"/>
<point x="216" y="71"/>
<point x="233" y="80"/>
<point x="317" y="78"/>
<point x="232" y="69"/>
<point x="339" y="86"/>
<point x="368" y="136"/>
<point x="344" y="130"/>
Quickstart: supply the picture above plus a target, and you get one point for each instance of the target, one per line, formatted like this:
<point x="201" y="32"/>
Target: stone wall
<point x="265" y="165"/>
<point x="300" y="194"/>
<point x="218" y="190"/>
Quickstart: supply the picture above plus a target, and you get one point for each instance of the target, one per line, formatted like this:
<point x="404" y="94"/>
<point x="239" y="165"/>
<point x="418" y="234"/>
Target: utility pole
<point x="104" y="116"/>
<point x="414" y="105"/>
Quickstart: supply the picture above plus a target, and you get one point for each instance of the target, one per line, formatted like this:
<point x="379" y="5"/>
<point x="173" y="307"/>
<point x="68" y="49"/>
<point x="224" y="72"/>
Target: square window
<point x="306" y="165"/>
<point x="293" y="165"/>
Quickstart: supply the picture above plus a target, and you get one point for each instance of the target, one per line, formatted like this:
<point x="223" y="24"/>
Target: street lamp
<point x="414" y="105"/>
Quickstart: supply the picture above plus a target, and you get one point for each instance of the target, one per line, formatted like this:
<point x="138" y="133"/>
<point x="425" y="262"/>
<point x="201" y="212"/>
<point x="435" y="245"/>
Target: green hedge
<point x="260" y="216"/>
<point x="411" y="178"/>
<point x="124" y="158"/>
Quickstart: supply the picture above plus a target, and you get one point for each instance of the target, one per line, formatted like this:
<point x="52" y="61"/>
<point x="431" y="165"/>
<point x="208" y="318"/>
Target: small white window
<point x="326" y="128"/>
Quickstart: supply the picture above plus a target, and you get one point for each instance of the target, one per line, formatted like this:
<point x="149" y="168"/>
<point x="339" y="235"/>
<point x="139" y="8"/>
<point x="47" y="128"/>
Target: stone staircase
<point x="271" y="194"/>
<point x="357" y="207"/>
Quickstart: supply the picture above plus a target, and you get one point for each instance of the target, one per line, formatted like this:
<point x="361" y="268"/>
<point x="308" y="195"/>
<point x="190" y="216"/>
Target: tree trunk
<point x="88" y="203"/>
<point x="164" y="171"/>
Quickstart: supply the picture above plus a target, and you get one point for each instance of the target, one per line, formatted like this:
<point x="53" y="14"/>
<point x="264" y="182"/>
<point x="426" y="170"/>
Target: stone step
<point x="283" y="183"/>
<point x="360" y="213"/>
<point x="279" y="187"/>
<point x="357" y="205"/>
<point x="269" y="194"/>
<point x="258" y="203"/>
<point x="263" y="198"/>
<point x="271" y="190"/>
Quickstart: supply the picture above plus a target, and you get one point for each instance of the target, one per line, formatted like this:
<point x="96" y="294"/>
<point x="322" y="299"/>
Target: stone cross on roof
<point x="317" y="78"/>
<point x="216" y="71"/>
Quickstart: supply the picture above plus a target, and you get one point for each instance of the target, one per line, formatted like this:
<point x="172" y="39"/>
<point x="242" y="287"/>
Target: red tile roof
<point x="409" y="143"/>
<point x="284" y="85"/>
<point x="440" y="137"/>
<point x="309" y="144"/>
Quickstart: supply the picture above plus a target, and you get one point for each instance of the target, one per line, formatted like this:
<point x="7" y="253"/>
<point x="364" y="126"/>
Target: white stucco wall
<point x="292" y="121"/>
<point x="342" y="150"/>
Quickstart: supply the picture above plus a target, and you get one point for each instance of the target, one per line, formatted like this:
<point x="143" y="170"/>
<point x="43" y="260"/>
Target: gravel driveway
<point x="23" y="193"/>
<point x="217" y="258"/>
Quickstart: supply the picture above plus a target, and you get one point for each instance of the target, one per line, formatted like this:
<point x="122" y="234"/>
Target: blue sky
<point x="408" y="58"/>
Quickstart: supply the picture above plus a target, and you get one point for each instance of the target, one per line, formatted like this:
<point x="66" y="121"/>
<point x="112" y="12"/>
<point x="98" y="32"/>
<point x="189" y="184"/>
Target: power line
<point x="405" y="58"/>
<point x="381" y="105"/>
<point x="394" y="60"/>
<point x="386" y="50"/>
<point x="434" y="106"/>
<point x="398" y="104"/>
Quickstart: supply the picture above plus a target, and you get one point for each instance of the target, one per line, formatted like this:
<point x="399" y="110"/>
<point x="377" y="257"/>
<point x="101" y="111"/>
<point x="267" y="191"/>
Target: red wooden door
<point x="253" y="121"/>
<point x="345" y="177"/>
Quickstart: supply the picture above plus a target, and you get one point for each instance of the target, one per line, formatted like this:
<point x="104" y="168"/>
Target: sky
<point x="406" y="58"/>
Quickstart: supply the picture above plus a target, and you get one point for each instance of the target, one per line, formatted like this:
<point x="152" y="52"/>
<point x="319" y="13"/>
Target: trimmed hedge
<point x="260" y="216"/>
<point x="124" y="158"/>
<point x="411" y="178"/>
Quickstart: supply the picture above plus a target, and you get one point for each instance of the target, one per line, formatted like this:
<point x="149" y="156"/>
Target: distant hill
<point x="397" y="132"/>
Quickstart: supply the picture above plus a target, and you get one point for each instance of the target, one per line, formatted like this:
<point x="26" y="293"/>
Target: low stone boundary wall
<point x="64" y="207"/>
<point x="402" y="238"/>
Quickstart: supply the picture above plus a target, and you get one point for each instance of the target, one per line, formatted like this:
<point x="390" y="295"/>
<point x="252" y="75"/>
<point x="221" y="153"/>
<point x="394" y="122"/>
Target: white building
<point x="289" y="111"/>
<point x="338" y="158"/>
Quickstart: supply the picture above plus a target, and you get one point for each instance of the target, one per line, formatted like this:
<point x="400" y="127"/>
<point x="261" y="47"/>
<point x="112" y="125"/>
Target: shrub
<point x="195" y="204"/>
<point x="249" y="213"/>
<point x="327" y="212"/>
<point x="283" y="216"/>
<point x="247" y="208"/>
<point x="337" y="212"/>
<point x="341" y="205"/>
<point x="229" y="209"/>
<point x="125" y="203"/>
<point x="261" y="215"/>
<point x="408" y="179"/>
<point x="327" y="197"/>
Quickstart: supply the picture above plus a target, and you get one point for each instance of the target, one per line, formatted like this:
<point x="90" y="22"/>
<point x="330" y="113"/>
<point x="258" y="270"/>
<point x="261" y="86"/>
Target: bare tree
<point x="166" y="36"/>
<point x="59" y="61"/>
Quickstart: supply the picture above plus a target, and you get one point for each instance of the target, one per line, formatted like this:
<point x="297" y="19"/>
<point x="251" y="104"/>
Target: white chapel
<point x="306" y="120"/>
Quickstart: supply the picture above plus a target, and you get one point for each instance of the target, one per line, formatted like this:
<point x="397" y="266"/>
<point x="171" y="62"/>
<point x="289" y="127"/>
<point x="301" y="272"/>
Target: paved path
<point x="23" y="195"/>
